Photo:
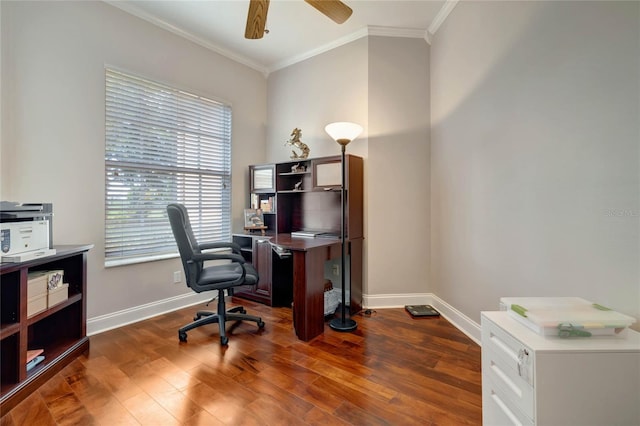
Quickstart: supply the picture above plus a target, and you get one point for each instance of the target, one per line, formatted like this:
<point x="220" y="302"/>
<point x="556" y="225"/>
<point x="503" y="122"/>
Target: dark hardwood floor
<point x="393" y="370"/>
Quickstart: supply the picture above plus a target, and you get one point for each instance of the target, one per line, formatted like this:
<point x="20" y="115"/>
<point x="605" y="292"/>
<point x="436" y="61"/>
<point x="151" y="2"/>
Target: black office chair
<point x="221" y="277"/>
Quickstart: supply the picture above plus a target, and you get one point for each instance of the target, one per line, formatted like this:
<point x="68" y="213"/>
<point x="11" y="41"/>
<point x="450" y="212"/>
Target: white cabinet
<point x="528" y="379"/>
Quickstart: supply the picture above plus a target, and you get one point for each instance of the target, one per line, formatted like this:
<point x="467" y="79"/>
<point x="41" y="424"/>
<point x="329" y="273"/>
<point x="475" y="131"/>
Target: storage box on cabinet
<point x="57" y="295"/>
<point x="36" y="284"/>
<point x="36" y="293"/>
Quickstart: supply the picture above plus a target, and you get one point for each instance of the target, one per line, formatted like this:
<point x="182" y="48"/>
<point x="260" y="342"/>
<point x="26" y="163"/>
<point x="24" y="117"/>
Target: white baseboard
<point x="107" y="322"/>
<point x="454" y="316"/>
<point x="458" y="319"/>
<point x="396" y="300"/>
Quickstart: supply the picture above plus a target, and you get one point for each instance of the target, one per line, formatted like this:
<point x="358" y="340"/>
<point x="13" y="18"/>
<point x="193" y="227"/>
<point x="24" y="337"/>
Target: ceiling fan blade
<point x="256" y="19"/>
<point x="333" y="9"/>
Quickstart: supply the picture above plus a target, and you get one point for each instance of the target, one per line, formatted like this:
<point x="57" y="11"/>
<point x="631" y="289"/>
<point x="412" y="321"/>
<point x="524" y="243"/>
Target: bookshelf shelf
<point x="9" y="330"/>
<point x="59" y="330"/>
<point x="53" y="309"/>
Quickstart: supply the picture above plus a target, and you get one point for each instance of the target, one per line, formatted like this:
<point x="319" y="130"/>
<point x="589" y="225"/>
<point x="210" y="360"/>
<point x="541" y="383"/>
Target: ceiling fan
<point x="257" y="17"/>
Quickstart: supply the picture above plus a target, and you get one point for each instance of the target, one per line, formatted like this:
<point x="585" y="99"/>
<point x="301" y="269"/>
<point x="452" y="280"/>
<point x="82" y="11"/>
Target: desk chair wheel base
<point x="224" y="340"/>
<point x="220" y="317"/>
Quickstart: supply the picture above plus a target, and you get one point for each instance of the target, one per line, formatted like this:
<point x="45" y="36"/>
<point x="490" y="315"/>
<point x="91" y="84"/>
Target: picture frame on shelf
<point x="253" y="218"/>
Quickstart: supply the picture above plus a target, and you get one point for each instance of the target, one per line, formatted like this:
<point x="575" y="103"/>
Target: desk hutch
<point x="304" y="195"/>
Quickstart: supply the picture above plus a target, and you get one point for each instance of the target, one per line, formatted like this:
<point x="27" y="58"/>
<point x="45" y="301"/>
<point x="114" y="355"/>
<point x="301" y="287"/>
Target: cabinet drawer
<point x="509" y="365"/>
<point x="515" y="356"/>
<point x="513" y="388"/>
<point x="498" y="410"/>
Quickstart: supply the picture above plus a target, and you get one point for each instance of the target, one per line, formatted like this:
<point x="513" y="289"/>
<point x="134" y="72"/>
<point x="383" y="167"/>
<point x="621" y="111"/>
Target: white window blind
<point x="163" y="145"/>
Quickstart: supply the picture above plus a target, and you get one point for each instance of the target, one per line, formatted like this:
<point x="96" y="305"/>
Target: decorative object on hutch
<point x="295" y="142"/>
<point x="343" y="133"/>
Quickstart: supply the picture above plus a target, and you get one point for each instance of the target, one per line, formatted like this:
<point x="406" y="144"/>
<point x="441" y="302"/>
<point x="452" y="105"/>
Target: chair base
<point x="221" y="317"/>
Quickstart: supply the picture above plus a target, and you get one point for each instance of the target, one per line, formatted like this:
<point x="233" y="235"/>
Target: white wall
<point x="53" y="59"/>
<point x="530" y="184"/>
<point x="382" y="84"/>
<point x="313" y="93"/>
<point x="535" y="153"/>
<point x="398" y="170"/>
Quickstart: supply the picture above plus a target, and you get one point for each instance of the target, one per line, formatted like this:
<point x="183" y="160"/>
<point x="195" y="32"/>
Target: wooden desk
<point x="306" y="194"/>
<point x="309" y="257"/>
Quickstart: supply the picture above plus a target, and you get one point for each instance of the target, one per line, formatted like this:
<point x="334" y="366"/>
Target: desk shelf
<point x="294" y="173"/>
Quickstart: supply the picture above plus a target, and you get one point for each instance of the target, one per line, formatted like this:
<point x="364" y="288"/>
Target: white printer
<point x="25" y="231"/>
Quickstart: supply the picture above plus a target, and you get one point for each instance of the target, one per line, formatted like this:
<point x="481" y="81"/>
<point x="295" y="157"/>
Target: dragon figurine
<point x="295" y="142"/>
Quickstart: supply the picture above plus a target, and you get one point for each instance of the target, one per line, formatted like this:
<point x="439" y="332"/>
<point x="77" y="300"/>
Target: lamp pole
<point x="343" y="133"/>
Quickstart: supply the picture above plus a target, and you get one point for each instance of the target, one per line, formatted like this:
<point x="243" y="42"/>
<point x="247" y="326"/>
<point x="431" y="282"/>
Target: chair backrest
<point x="186" y="241"/>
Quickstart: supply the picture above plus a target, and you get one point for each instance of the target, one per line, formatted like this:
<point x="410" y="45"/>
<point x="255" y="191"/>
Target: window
<point x="163" y="145"/>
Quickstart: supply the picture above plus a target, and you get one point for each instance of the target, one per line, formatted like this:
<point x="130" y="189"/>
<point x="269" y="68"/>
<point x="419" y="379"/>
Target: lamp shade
<point x="343" y="131"/>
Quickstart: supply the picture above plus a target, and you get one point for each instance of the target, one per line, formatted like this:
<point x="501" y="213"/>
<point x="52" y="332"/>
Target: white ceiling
<point x="296" y="30"/>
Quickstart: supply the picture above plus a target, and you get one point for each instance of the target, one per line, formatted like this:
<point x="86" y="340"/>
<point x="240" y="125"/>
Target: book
<point x="304" y="234"/>
<point x="315" y="234"/>
<point x="33" y="353"/>
<point x="312" y="234"/>
<point x="328" y="235"/>
<point x="265" y="205"/>
<point x="34" y="358"/>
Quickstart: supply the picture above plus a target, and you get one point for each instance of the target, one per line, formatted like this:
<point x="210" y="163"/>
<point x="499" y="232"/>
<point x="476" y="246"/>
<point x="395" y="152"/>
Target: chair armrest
<point x="220" y="244"/>
<point x="218" y="256"/>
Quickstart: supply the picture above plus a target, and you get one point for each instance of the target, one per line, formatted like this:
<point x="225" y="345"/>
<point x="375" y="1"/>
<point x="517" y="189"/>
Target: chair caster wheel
<point x="182" y="336"/>
<point x="224" y="341"/>
<point x="261" y="324"/>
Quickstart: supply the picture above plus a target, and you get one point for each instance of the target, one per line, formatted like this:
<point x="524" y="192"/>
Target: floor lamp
<point x="343" y="133"/>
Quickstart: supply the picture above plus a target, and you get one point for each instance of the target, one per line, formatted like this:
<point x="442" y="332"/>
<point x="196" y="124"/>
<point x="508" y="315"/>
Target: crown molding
<point x="324" y="48"/>
<point x="364" y="32"/>
<point x="371" y="30"/>
<point x="444" y="12"/>
<point x="395" y="32"/>
<point x="132" y="10"/>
